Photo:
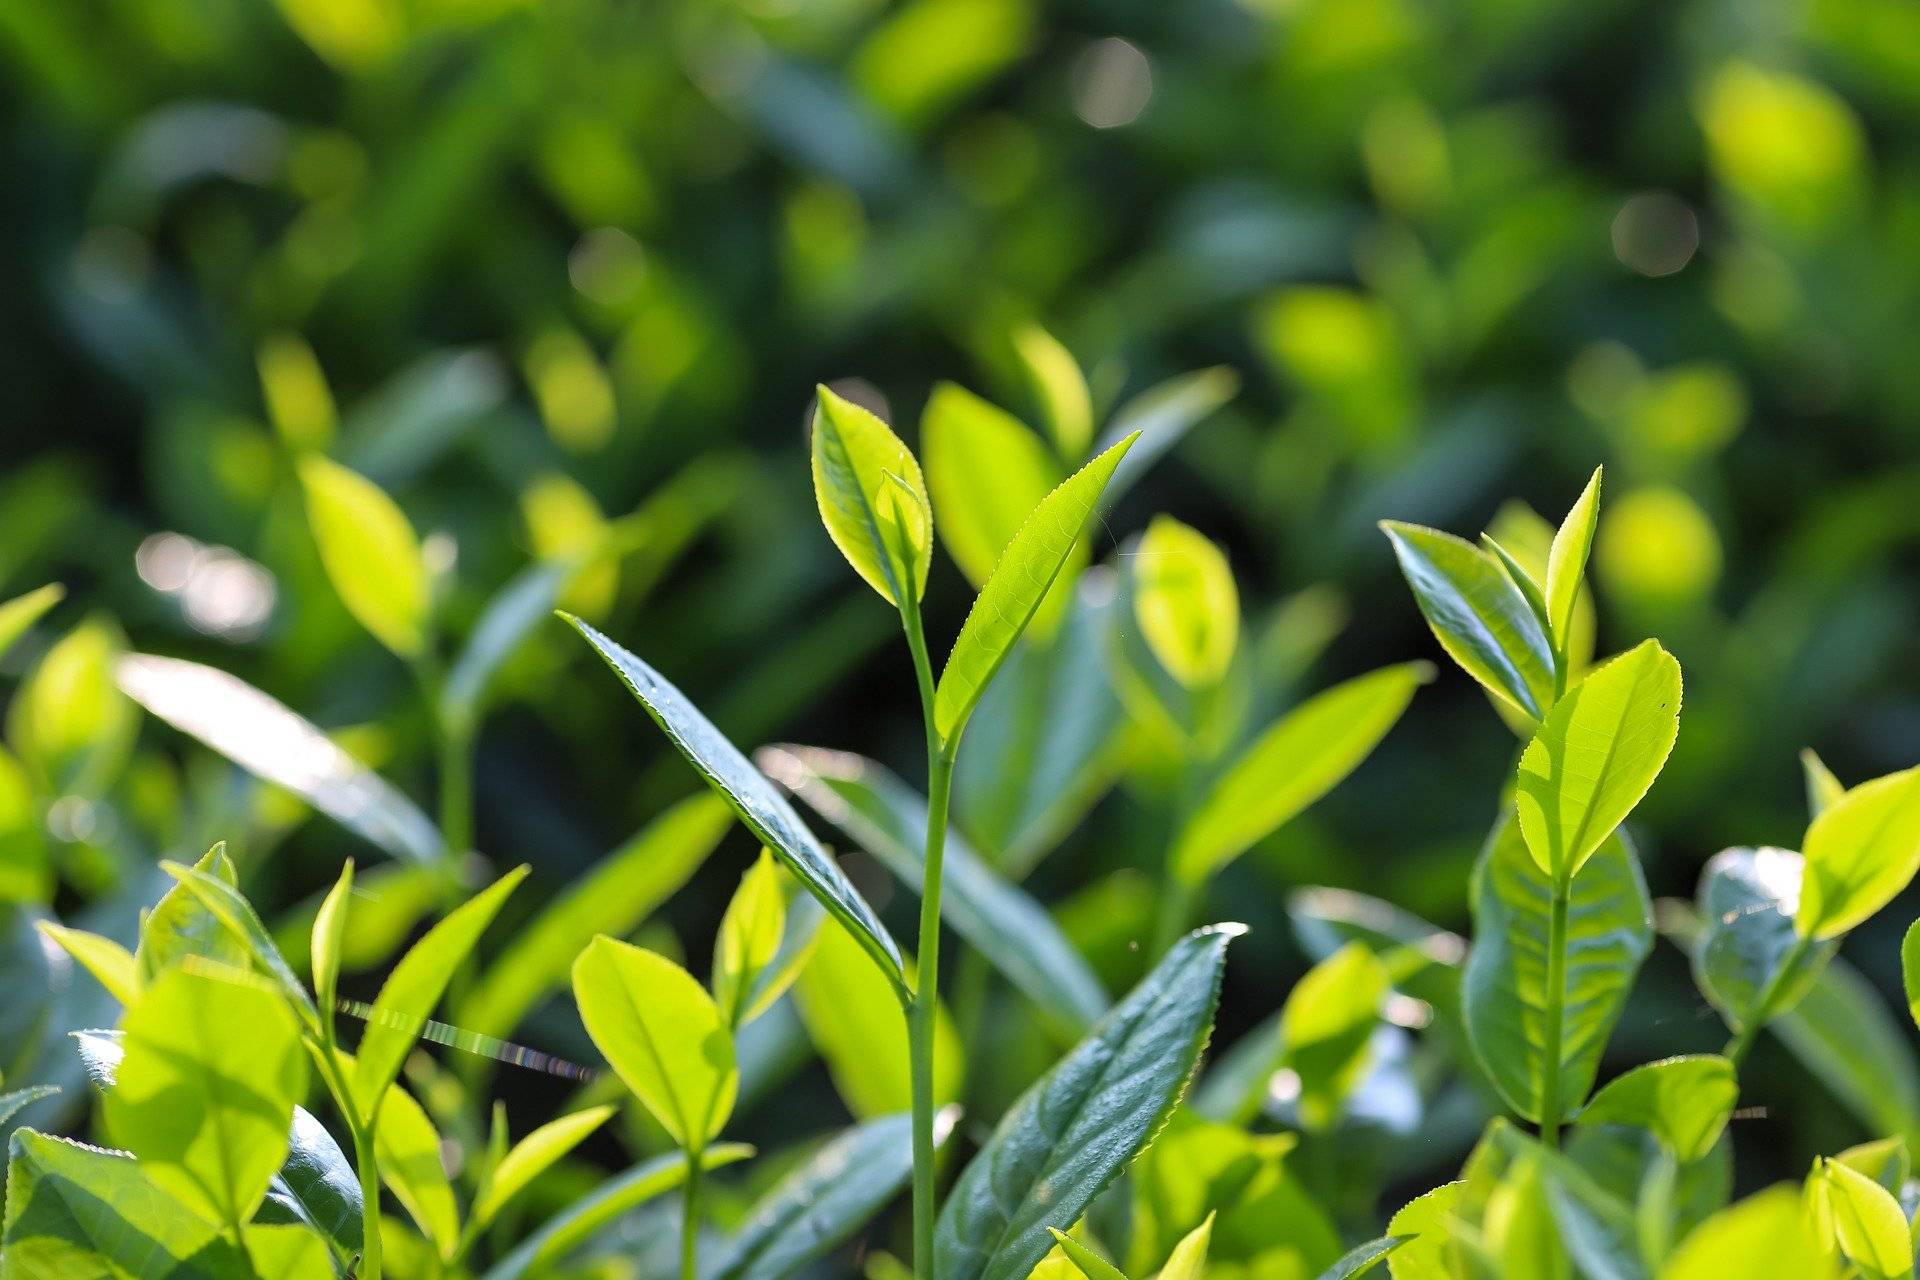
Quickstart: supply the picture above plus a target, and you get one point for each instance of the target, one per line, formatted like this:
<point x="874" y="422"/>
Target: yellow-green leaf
<point x="1020" y="581"/>
<point x="1860" y="852"/>
<point x="662" y="1034"/>
<point x="1865" y="1220"/>
<point x="370" y="553"/>
<point x="69" y="721"/>
<point x="532" y="1156"/>
<point x="854" y="1019"/>
<point x="1595" y="756"/>
<point x="1822" y="787"/>
<point x="1186" y="603"/>
<point x="1066" y="406"/>
<point x="1298" y="759"/>
<point x="1084" y="1260"/>
<point x="408" y="1149"/>
<point x="1684" y="1102"/>
<point x="1327" y="1026"/>
<point x="1764" y="1235"/>
<point x="21" y="612"/>
<point x="872" y="499"/>
<point x="104" y="958"/>
<point x="299" y="403"/>
<point x="1567" y="562"/>
<point x="749" y="937"/>
<point x="329" y="930"/>
<point x="985" y="471"/>
<point x="1189" y="1258"/>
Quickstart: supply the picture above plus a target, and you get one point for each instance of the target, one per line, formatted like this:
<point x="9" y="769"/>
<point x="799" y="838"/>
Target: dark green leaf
<point x="1747" y="899"/>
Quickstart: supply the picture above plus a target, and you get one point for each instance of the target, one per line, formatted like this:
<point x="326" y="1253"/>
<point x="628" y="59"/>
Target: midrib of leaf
<point x="1613" y="748"/>
<point x="666" y="1077"/>
<point x="845" y="470"/>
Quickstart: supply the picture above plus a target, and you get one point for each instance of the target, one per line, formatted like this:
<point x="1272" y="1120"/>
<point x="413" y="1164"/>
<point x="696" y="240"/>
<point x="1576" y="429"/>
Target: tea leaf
<point x="1567" y="561"/>
<point x="822" y="1202"/>
<point x="1860" y="851"/>
<point x="1504" y="988"/>
<point x="70" y="1205"/>
<point x="749" y="937"/>
<point x="19" y="614"/>
<point x="884" y="530"/>
<point x="1066" y="406"/>
<point x="1765" y="1234"/>
<point x="109" y="962"/>
<point x="1422" y="1225"/>
<point x="1188" y="1261"/>
<point x="1480" y="618"/>
<point x="1747" y="899"/>
<point x="1020" y="581"/>
<point x="532" y="1156"/>
<point x="415" y="986"/>
<point x="1822" y="787"/>
<point x="1909" y="968"/>
<point x="1363" y="1258"/>
<point x="1161" y="416"/>
<point x="408" y="1149"/>
<point x="1865" y="1219"/>
<point x="69" y="723"/>
<point x="1326" y="1028"/>
<point x="14" y="1101"/>
<point x="986" y="471"/>
<point x="329" y="928"/>
<point x="855" y="1022"/>
<point x="1596" y="755"/>
<point x="1842" y="1032"/>
<point x="180" y="926"/>
<point x="883" y="816"/>
<point x="208" y="1125"/>
<point x="613" y="897"/>
<point x="770" y="818"/>
<point x="1685" y="1102"/>
<point x="1085" y="1261"/>
<point x="662" y="1034"/>
<point x="370" y="553"/>
<point x="285" y="1252"/>
<point x="566" y="1230"/>
<point x="1294" y="762"/>
<point x="237" y="915"/>
<point x="1083" y="1123"/>
<point x="271" y="742"/>
<point x="1186" y="603"/>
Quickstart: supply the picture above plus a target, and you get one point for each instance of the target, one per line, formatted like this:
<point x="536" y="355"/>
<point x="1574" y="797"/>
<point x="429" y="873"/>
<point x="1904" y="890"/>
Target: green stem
<point x="690" y="1220"/>
<point x="1737" y="1048"/>
<point x="1556" y="1005"/>
<point x="456" y="787"/>
<point x="369" y="1166"/>
<point x="926" y="998"/>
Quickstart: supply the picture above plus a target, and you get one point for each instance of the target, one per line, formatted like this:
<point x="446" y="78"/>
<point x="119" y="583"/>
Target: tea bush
<point x="1132" y="1148"/>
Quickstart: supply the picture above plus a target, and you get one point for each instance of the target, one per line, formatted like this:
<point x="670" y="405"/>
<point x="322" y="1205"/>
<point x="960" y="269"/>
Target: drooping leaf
<point x="1865" y="1219"/>
<point x="209" y="1125"/>
<point x="749" y="937"/>
<point x="1186" y="602"/>
<point x="269" y="741"/>
<point x="1326" y="1027"/>
<point x="1860" y="851"/>
<point x="1567" y="561"/>
<point x="872" y="499"/>
<point x="878" y="811"/>
<point x="1595" y="756"/>
<point x="329" y="929"/>
<point x="1066" y="406"/>
<point x="411" y="991"/>
<point x="70" y="1205"/>
<point x="1504" y="987"/>
<point x="21" y="612"/>
<point x="766" y="814"/>
<point x="104" y="958"/>
<point x="662" y="1034"/>
<point x="986" y="471"/>
<point x="1765" y="1234"/>
<point x="1480" y="618"/>
<point x="1075" y="1130"/>
<point x="856" y="1023"/>
<point x="1297" y="760"/>
<point x="371" y="554"/>
<point x="1747" y="902"/>
<point x="1822" y="787"/>
<point x="822" y="1202"/>
<point x="1026" y="570"/>
<point x="1684" y="1101"/>
<point x="622" y="889"/>
<point x="566" y="1230"/>
<point x="532" y="1156"/>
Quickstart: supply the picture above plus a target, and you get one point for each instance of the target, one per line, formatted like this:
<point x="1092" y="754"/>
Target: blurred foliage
<point x="532" y="267"/>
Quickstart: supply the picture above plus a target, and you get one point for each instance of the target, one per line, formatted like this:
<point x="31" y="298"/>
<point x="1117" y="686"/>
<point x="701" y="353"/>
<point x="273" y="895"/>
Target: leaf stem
<point x="1742" y="1042"/>
<point x="926" y="995"/>
<point x="369" y="1167"/>
<point x="1556" y="1007"/>
<point x="690" y="1219"/>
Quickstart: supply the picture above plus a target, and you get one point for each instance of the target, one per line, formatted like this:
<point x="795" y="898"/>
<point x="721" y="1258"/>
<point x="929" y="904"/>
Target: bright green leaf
<point x="1684" y="1101"/>
<point x="1865" y="1218"/>
<point x="1297" y="760"/>
<point x="872" y="499"/>
<point x="1567" y="561"/>
<point x="1860" y="851"/>
<point x="1085" y="1261"/>
<point x="21" y="612"/>
<point x="69" y="1206"/>
<point x="180" y="926"/>
<point x="370" y="552"/>
<point x="1326" y="1027"/>
<point x="209" y="1124"/>
<point x="1186" y="603"/>
<point x="1822" y="787"/>
<point x="1423" y="1223"/>
<point x="1188" y="1261"/>
<point x="662" y="1034"/>
<point x="112" y="964"/>
<point x="1020" y="581"/>
<point x="1596" y="755"/>
<point x="1066" y="406"/>
<point x="241" y="922"/>
<point x="329" y="928"/>
<point x="1765" y="1234"/>
<point x="68" y="721"/>
<point x="532" y="1156"/>
<point x="749" y="937"/>
<point x="408" y="1150"/>
<point x="986" y="472"/>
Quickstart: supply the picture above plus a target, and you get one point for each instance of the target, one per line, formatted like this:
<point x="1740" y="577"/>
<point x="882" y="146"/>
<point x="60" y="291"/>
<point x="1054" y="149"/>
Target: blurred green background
<point x="532" y="264"/>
